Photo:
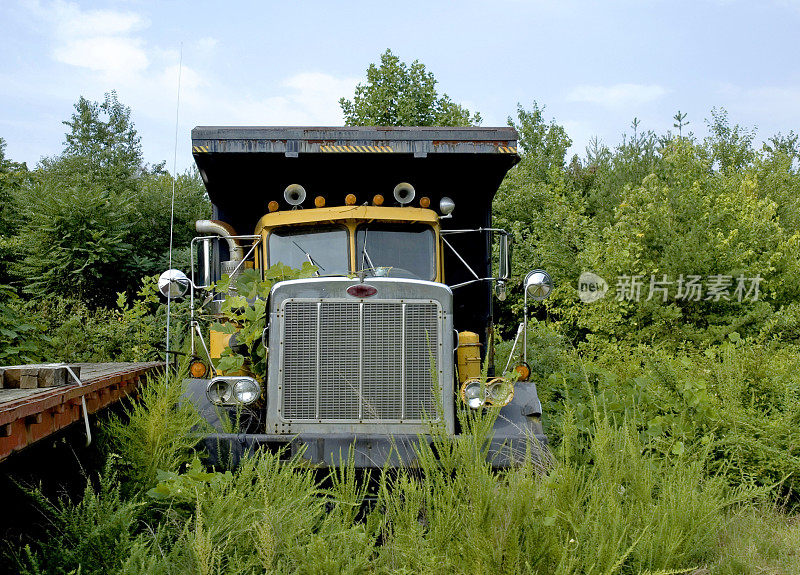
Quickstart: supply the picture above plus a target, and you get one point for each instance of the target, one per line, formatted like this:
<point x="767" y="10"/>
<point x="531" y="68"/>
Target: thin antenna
<point x="174" y="179"/>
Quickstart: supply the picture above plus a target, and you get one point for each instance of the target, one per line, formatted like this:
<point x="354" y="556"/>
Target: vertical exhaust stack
<point x="226" y="232"/>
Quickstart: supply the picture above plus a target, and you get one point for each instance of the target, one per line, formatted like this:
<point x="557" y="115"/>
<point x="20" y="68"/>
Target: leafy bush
<point x="660" y="207"/>
<point x="92" y="221"/>
<point x="22" y="342"/>
<point x="92" y="535"/>
<point x="738" y="401"/>
<point x="69" y="330"/>
<point x="76" y="242"/>
<point x="245" y="314"/>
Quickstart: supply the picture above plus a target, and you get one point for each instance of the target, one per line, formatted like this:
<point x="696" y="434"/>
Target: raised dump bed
<point x="37" y="401"/>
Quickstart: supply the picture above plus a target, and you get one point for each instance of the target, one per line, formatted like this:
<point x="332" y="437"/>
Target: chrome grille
<point x="362" y="361"/>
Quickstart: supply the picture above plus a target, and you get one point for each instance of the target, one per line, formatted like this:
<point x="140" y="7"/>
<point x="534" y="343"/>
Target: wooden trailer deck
<point x="39" y="400"/>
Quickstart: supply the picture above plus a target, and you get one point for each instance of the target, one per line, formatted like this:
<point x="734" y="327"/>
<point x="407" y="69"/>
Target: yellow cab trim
<point x="350" y="217"/>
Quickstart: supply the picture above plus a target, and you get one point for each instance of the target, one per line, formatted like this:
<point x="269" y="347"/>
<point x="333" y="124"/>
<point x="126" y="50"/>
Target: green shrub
<point x="21" y="335"/>
<point x="93" y="535"/>
<point x="158" y="431"/>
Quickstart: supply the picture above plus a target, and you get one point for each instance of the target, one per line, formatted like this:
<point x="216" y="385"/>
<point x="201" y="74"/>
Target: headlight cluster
<point x="233" y="390"/>
<point x="497" y="391"/>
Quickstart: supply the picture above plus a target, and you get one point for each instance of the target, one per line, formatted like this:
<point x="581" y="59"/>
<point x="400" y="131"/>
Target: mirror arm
<point x="462" y="260"/>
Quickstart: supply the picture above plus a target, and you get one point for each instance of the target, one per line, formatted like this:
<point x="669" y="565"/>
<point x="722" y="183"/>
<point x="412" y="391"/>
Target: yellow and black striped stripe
<point x="507" y="149"/>
<point x="363" y="149"/>
<point x="199" y="149"/>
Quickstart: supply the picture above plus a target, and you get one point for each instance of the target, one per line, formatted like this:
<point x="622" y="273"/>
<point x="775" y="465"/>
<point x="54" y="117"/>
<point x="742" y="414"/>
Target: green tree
<point x="680" y="122"/>
<point x="13" y="177"/>
<point x="150" y="225"/>
<point x="547" y="214"/>
<point x="76" y="241"/>
<point x="104" y="137"/>
<point x="97" y="219"/>
<point x="730" y="147"/>
<point x="400" y="95"/>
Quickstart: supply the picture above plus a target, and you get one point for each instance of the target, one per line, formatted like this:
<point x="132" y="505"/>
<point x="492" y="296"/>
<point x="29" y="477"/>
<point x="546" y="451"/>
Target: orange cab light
<point x="377" y="200"/>
<point x="197" y="368"/>
<point x="273" y="206"/>
<point x="319" y="201"/>
<point x="350" y="199"/>
<point x="524" y="371"/>
<point x="424" y="202"/>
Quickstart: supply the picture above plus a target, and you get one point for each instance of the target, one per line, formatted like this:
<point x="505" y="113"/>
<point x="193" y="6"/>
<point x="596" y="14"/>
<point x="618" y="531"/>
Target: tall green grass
<point x="602" y="504"/>
<point x="157" y="431"/>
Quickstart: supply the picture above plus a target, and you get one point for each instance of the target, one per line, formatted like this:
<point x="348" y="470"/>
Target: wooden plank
<point x="28" y="415"/>
<point x="29" y="378"/>
<point x="9" y="395"/>
<point x="49" y="397"/>
<point x="36" y="375"/>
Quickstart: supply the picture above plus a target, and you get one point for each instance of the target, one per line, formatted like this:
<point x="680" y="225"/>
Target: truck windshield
<point x="396" y="250"/>
<point x="324" y="247"/>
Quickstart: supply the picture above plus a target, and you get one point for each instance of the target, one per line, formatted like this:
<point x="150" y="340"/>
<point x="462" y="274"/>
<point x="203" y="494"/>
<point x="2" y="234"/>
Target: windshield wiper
<point x="311" y="260"/>
<point x="364" y="254"/>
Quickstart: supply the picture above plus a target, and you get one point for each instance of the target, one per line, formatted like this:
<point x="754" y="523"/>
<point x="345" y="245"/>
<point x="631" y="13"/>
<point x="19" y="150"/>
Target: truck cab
<point x="388" y="336"/>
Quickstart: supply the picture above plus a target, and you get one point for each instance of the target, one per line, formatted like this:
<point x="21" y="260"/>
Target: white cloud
<point x="113" y="56"/>
<point x="72" y="21"/>
<point x="99" y="40"/>
<point x="318" y="94"/>
<point x="103" y="50"/>
<point x="618" y="95"/>
<point x="773" y="101"/>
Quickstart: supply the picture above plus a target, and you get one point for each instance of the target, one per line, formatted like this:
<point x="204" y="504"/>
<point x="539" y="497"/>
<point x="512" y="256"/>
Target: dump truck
<point x="390" y="334"/>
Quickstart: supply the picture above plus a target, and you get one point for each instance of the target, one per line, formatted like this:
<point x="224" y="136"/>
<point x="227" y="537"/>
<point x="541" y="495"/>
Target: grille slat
<point x="363" y="359"/>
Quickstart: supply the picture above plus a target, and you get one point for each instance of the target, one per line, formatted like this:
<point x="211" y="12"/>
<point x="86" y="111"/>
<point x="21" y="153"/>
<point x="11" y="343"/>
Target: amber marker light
<point x="197" y="369"/>
<point x="377" y="200"/>
<point x="319" y="201"/>
<point x="273" y="206"/>
<point x="424" y="202"/>
<point x="524" y="371"/>
<point x="350" y="199"/>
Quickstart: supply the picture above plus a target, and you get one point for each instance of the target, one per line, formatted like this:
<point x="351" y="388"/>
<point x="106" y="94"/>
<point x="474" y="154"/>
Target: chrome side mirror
<point x="538" y="284"/>
<point x="173" y="284"/>
<point x="500" y="290"/>
<point x="504" y="270"/>
<point x="205" y="268"/>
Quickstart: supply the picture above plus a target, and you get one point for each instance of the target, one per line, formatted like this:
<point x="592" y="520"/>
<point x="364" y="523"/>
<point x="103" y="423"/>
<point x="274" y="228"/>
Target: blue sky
<point x="595" y="65"/>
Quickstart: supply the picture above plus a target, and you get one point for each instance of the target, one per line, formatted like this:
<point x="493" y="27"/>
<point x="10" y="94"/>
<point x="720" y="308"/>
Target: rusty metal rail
<point x="29" y="415"/>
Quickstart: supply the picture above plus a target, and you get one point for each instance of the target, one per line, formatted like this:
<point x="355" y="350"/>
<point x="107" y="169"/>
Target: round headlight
<point x="246" y="390"/>
<point x="219" y="391"/>
<point x="472" y="393"/>
<point x="499" y="391"/>
<point x="446" y="206"/>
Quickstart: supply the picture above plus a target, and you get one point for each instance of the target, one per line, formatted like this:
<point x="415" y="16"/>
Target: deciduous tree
<point x="396" y="94"/>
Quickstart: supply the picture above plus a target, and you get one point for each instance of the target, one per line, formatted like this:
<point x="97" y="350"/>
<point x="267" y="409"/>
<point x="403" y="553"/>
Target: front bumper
<point x="517" y="433"/>
<point x="367" y="451"/>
